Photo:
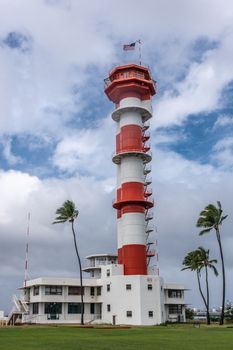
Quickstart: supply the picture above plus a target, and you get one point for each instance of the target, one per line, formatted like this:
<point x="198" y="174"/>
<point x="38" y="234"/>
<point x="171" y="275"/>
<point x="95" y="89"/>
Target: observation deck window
<point x="129" y="74"/>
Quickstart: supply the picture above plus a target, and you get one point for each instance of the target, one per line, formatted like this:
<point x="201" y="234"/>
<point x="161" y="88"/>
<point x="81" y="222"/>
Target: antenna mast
<point x="26" y="252"/>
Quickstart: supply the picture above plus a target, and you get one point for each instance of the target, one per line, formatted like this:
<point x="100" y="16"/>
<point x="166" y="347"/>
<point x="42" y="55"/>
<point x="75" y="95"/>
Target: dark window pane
<point x="175" y="309"/>
<point x="36" y="290"/>
<point x="73" y="290"/>
<point x="53" y="308"/>
<point x="74" y="308"/>
<point x="53" y="290"/>
<point x="35" y="308"/>
<point x="92" y="308"/>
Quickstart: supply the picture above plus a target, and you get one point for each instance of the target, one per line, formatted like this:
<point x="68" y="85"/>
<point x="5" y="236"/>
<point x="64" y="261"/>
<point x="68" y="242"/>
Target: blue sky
<point x="57" y="135"/>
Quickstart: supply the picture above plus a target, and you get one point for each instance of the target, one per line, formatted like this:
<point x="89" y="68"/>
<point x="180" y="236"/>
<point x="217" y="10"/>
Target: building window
<point x="129" y="313"/>
<point x="36" y="290"/>
<point x="108" y="287"/>
<point x="149" y="287"/>
<point x="128" y="287"/>
<point x="35" y="308"/>
<point x="175" y="309"/>
<point x="108" y="307"/>
<point x="74" y="308"/>
<point x="98" y="290"/>
<point x="174" y="293"/>
<point x="92" y="291"/>
<point x="150" y="313"/>
<point x="74" y="290"/>
<point x="53" y="290"/>
<point x="107" y="272"/>
<point x="53" y="308"/>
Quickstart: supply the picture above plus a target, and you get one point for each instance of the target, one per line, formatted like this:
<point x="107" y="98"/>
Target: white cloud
<point x="223" y="153"/>
<point x="7" y="152"/>
<point x="223" y="120"/>
<point x="87" y="150"/>
<point x="201" y="89"/>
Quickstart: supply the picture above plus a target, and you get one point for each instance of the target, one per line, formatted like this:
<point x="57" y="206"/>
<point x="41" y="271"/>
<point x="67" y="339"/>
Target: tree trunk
<point x="80" y="272"/>
<point x="221" y="322"/>
<point x="200" y="290"/>
<point x="207" y="296"/>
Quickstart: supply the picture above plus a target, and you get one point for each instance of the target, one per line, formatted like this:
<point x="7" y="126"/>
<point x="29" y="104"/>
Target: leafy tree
<point x="229" y="314"/>
<point x="196" y="261"/>
<point x="189" y="314"/>
<point x="68" y="212"/>
<point x="211" y="218"/>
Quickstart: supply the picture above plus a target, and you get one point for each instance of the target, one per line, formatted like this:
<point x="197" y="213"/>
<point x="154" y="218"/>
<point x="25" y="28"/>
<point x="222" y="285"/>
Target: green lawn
<point x="143" y="338"/>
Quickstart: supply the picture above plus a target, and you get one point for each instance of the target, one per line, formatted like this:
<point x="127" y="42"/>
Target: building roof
<point x="101" y="255"/>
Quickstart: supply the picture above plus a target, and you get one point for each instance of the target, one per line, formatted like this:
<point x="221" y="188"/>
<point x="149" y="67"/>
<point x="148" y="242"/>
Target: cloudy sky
<point x="57" y="135"/>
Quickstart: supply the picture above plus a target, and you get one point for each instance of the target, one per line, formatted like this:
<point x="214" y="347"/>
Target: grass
<point x="172" y="337"/>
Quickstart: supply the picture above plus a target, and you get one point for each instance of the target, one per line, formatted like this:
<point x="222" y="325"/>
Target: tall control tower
<point x="130" y="88"/>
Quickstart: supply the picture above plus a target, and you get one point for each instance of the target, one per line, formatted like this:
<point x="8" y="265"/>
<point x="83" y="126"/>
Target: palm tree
<point x="211" y="218"/>
<point x="205" y="263"/>
<point x="196" y="261"/>
<point x="69" y="213"/>
<point x="191" y="262"/>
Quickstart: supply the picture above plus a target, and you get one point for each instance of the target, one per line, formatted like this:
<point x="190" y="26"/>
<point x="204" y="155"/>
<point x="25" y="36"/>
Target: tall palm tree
<point x="68" y="212"/>
<point x="211" y="218"/>
<point x="196" y="261"/>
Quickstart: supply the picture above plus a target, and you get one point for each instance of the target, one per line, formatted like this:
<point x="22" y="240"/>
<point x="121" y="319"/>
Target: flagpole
<point x="140" y="52"/>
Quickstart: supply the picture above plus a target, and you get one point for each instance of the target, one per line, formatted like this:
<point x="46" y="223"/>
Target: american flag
<point x="129" y="47"/>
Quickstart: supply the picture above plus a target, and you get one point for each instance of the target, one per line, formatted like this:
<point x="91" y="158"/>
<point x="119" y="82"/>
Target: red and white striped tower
<point x="131" y="87"/>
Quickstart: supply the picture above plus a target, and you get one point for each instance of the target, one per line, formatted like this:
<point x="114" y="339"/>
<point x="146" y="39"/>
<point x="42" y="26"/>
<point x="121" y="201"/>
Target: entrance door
<point x="92" y="309"/>
<point x="114" y="320"/>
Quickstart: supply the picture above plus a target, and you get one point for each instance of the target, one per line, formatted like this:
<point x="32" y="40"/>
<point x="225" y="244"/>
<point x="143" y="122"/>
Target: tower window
<point x="128" y="287"/>
<point x="107" y="272"/>
<point x="108" y="307"/>
<point x="129" y="313"/>
<point x="150" y="313"/>
<point x="149" y="287"/>
<point x="108" y="287"/>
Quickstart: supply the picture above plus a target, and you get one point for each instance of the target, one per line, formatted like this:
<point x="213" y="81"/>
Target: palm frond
<point x="67" y="212"/>
<point x="205" y="231"/>
<point x="212" y="267"/>
<point x="222" y="218"/>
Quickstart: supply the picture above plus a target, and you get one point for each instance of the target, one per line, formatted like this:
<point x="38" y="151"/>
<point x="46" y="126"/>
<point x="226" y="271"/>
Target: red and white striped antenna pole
<point x="26" y="252"/>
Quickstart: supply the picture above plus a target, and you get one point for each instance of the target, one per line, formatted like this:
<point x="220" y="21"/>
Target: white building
<point x="122" y="289"/>
<point x="109" y="297"/>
